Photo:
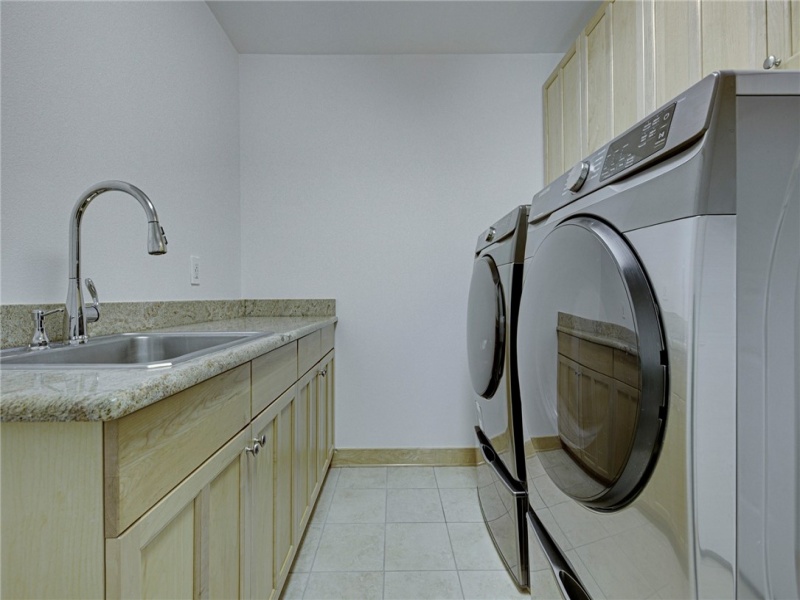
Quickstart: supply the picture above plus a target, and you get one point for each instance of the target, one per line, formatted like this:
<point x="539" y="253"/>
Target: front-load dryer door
<point x="486" y="327"/>
<point x="592" y="364"/>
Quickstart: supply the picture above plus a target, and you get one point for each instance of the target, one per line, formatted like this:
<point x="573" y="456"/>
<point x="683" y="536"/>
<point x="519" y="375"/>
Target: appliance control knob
<point x="577" y="176"/>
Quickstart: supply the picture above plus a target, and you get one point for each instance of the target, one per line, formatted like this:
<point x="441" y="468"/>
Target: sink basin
<point x="126" y="350"/>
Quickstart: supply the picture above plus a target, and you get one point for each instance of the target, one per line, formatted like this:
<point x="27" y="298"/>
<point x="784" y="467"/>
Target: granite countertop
<point x="107" y="394"/>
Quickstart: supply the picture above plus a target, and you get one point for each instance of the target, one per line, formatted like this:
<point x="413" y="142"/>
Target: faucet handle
<point x="92" y="311"/>
<point x="40" y="341"/>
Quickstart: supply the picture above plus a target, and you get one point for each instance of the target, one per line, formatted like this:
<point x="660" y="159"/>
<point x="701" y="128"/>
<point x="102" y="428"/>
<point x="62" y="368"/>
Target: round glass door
<point x="592" y="364"/>
<point x="486" y="327"/>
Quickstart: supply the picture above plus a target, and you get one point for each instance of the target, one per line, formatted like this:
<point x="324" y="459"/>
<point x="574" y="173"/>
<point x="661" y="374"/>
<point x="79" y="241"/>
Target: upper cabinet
<point x="783" y="32"/>
<point x="598" y="58"/>
<point x="635" y="55"/>
<point x="563" y="114"/>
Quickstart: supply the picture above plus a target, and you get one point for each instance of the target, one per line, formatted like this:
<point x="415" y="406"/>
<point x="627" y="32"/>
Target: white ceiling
<point x="402" y="26"/>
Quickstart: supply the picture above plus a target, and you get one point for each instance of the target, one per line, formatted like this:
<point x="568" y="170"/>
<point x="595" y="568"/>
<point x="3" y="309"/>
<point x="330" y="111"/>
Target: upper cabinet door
<point x="627" y="50"/>
<point x="564" y="116"/>
<point x="733" y="34"/>
<point x="676" y="43"/>
<point x="554" y="133"/>
<point x="783" y="32"/>
<point x="597" y="102"/>
<point x="574" y="123"/>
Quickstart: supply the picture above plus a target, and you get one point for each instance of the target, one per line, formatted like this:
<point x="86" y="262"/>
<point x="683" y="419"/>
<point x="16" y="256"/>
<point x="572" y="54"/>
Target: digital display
<point x="638" y="144"/>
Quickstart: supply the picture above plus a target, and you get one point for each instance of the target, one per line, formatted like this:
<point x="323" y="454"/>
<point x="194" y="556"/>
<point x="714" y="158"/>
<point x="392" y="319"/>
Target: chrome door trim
<point x="653" y="367"/>
<point x="500" y="330"/>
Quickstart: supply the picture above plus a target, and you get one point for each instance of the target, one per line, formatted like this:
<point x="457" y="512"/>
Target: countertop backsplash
<point x="16" y="325"/>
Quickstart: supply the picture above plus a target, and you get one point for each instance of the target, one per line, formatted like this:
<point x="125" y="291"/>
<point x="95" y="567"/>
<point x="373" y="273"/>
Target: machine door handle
<point x="568" y="582"/>
<point x="491" y="458"/>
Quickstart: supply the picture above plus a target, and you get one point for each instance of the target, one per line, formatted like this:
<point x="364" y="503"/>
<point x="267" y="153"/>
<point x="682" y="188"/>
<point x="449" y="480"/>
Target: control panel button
<point x="639" y="143"/>
<point x="577" y="176"/>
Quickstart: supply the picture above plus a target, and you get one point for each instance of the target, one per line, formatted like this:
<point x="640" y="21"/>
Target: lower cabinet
<point x="189" y="545"/>
<point x="272" y="540"/>
<point x="313" y="437"/>
<point x="186" y="498"/>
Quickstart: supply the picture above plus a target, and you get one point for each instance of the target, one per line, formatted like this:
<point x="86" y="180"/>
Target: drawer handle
<point x="255" y="449"/>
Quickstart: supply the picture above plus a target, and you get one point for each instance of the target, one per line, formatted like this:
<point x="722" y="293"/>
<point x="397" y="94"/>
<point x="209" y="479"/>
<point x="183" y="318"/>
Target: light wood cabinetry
<point x="598" y="82"/>
<point x="633" y="56"/>
<point x="627" y="65"/>
<point x="564" y="116"/>
<point x="148" y="452"/>
<point x="189" y="544"/>
<point x="273" y="540"/>
<point x="186" y="498"/>
<point x="51" y="541"/>
<point x="783" y="32"/>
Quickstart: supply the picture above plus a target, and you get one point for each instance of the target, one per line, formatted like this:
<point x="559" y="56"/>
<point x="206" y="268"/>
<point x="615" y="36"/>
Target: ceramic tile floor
<point x="398" y="533"/>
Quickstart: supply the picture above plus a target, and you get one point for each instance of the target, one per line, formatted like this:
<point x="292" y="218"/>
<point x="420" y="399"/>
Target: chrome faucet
<point x="76" y="314"/>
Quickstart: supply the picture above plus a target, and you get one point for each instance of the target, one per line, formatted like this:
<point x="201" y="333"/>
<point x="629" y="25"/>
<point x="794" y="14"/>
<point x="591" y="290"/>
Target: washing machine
<point x="627" y="353"/>
<point x="493" y="305"/>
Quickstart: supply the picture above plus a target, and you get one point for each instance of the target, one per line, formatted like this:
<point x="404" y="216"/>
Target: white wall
<point x="145" y="92"/>
<point x="368" y="179"/>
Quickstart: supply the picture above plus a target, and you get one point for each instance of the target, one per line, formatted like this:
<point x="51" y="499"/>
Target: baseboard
<point x="541" y="444"/>
<point x="354" y="457"/>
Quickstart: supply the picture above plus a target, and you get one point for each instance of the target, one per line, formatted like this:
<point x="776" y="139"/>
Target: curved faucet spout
<point x="75" y="313"/>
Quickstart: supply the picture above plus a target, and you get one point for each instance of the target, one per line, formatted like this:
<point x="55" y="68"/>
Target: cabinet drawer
<point x="326" y="340"/>
<point x="312" y="348"/>
<point x="149" y="452"/>
<point x="308" y="352"/>
<point x="272" y="375"/>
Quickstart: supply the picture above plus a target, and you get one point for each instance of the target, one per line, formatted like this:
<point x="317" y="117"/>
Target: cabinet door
<point x="305" y="468"/>
<point x="628" y="75"/>
<point x="572" y="113"/>
<point x="733" y="35"/>
<point x="554" y="133"/>
<point x="189" y="545"/>
<point x="598" y="82"/>
<point x="284" y="452"/>
<point x="272" y="539"/>
<point x="783" y="32"/>
<point x="676" y="44"/>
<point x="325" y="414"/>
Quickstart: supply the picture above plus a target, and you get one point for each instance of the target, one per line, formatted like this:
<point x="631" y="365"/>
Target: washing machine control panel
<point x="676" y="126"/>
<point x="647" y="138"/>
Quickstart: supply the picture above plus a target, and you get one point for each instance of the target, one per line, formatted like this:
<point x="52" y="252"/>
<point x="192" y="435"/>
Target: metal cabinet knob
<point x="771" y="62"/>
<point x="490" y="234"/>
<point x="261" y="440"/>
<point x="323" y="372"/>
<point x="255" y="449"/>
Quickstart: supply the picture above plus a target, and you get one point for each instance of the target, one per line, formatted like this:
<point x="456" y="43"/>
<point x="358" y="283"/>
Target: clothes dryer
<point x="491" y="348"/>
<point x="627" y="356"/>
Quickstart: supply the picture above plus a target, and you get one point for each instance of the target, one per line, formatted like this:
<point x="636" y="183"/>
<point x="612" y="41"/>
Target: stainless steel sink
<point x="126" y="350"/>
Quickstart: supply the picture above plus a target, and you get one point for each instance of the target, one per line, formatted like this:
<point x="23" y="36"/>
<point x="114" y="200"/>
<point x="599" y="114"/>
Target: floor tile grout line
<point x="450" y="539"/>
